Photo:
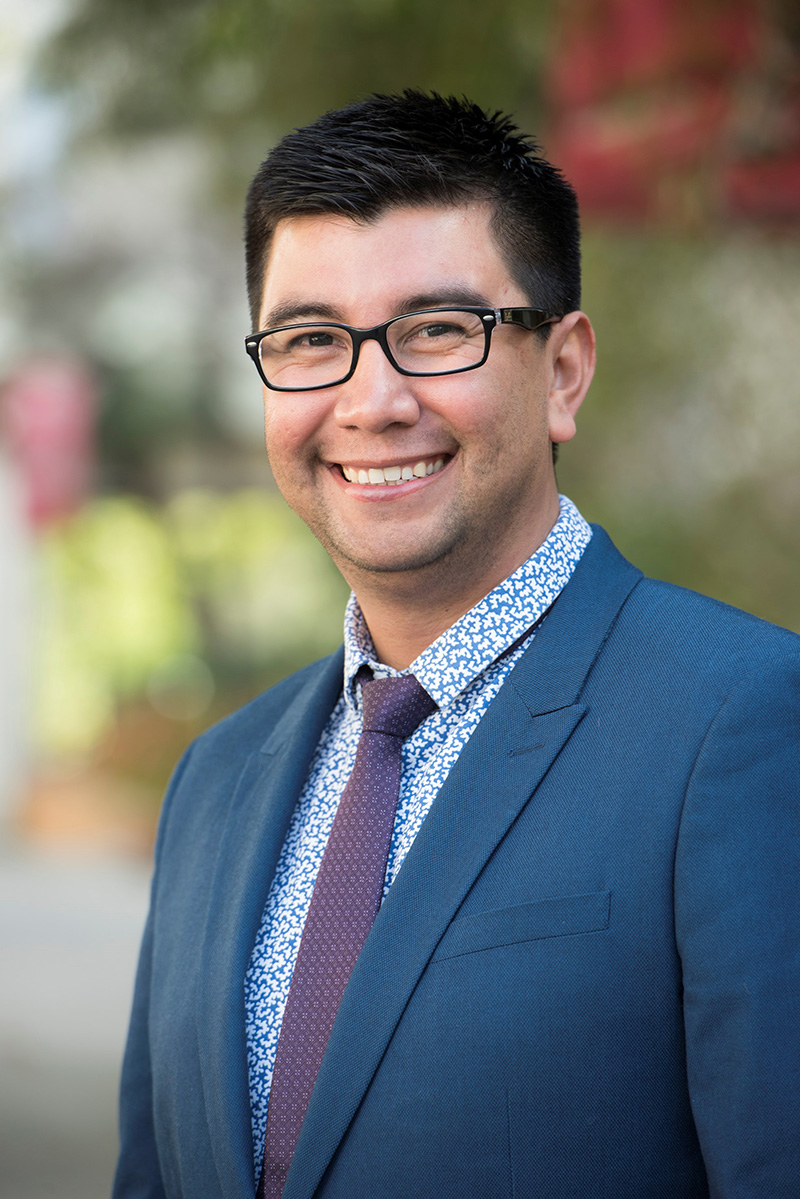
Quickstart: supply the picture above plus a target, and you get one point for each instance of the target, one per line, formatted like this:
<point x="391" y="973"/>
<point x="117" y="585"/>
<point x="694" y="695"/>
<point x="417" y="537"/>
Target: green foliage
<point x="687" y="447"/>
<point x="242" y="71"/>
<point x="268" y="594"/>
<point x="162" y="605"/>
<point x="688" y="440"/>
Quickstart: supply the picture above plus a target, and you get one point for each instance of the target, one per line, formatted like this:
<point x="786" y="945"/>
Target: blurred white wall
<point x="15" y="640"/>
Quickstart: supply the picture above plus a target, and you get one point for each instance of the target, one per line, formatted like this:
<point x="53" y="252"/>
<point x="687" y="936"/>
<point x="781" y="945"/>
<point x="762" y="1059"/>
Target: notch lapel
<point x="503" y="763"/>
<point x="256" y="826"/>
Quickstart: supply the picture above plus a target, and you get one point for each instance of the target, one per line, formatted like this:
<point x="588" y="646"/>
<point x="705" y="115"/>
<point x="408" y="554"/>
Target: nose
<point x="376" y="396"/>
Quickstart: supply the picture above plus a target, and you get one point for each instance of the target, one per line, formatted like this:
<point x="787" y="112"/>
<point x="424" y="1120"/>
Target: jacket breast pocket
<point x="562" y="916"/>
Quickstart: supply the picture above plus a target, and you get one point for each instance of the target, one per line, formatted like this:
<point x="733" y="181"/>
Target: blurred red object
<point x="47" y="409"/>
<point x="677" y="111"/>
<point x="764" y="189"/>
<point x="605" y="46"/>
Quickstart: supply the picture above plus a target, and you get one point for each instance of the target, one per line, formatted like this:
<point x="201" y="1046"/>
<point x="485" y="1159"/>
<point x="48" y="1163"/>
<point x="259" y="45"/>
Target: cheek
<point x="465" y="405"/>
<point x="288" y="427"/>
<point x="508" y="418"/>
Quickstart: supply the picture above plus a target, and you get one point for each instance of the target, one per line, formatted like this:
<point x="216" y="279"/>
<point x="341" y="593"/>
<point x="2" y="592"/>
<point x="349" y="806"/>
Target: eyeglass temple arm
<point x="526" y="318"/>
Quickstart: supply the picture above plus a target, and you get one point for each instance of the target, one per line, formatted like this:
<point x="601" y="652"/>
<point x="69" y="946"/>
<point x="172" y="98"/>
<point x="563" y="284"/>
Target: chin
<point x="385" y="565"/>
<point x="387" y="560"/>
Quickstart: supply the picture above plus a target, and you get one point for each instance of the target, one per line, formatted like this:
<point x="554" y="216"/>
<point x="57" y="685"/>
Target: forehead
<point x="366" y="271"/>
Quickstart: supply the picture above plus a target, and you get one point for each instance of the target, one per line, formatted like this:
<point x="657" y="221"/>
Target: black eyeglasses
<point x="437" y="341"/>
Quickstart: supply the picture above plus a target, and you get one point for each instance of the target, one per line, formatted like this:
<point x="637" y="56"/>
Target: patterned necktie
<point x="345" y="902"/>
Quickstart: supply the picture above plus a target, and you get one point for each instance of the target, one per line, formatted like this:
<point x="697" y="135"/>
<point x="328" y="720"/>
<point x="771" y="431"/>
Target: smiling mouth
<point x="392" y="476"/>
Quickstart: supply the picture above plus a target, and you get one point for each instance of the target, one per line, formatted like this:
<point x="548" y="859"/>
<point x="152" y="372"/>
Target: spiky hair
<point x="422" y="149"/>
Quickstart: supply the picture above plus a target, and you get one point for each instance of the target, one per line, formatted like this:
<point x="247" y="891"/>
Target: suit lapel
<point x="502" y="765"/>
<point x="258" y="819"/>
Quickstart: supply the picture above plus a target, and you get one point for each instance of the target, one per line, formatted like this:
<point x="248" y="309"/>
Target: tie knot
<point x="395" y="706"/>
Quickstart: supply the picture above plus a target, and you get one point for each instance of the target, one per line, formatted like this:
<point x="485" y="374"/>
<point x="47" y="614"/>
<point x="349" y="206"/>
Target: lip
<point x="395" y="488"/>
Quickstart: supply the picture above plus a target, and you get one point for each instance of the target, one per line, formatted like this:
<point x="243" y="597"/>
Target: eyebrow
<point x="443" y="297"/>
<point x="311" y="310"/>
<point x="299" y="310"/>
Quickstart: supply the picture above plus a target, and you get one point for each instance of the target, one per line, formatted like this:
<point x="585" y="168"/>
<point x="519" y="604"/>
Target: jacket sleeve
<point x="138" y="1174"/>
<point x="737" y="895"/>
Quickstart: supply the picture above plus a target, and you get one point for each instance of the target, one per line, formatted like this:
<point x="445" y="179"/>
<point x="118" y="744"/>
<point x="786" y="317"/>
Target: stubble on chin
<point x="415" y="574"/>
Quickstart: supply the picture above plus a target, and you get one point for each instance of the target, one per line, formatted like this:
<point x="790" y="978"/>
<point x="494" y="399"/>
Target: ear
<point x="571" y="347"/>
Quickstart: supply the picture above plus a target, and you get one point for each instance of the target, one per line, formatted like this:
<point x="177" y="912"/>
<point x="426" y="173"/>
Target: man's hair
<point x="419" y="149"/>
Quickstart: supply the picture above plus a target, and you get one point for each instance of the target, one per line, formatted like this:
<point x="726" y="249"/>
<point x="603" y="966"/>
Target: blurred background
<point x="151" y="577"/>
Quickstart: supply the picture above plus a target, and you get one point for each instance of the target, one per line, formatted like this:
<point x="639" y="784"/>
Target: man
<point x="581" y="980"/>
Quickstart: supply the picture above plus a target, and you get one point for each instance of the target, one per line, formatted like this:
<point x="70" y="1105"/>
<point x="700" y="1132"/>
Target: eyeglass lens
<point x="425" y="343"/>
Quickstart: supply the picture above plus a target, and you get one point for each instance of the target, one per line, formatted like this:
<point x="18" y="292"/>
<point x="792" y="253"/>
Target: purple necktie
<point x="345" y="902"/>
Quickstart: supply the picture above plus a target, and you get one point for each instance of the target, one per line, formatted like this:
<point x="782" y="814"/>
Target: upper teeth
<point x="391" y="474"/>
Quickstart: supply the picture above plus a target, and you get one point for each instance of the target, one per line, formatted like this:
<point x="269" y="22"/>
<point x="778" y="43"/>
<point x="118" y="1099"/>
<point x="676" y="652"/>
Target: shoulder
<point x="664" y="625"/>
<point x="204" y="781"/>
<point x="225" y="746"/>
<point x="710" y="637"/>
<point x="656" y="600"/>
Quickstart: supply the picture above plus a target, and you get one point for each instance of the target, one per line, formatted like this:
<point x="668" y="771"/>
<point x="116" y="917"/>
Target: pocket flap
<point x="558" y="917"/>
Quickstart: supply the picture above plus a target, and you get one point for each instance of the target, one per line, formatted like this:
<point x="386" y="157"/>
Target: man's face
<point x="491" y="498"/>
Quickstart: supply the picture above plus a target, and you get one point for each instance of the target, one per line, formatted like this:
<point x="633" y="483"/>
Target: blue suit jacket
<point x="584" y="983"/>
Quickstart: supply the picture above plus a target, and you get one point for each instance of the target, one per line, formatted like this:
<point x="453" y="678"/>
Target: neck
<point x="406" y="611"/>
<point x="400" y="633"/>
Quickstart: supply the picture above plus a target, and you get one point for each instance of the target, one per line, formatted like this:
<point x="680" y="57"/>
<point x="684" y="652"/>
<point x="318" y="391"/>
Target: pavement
<point x="70" y="925"/>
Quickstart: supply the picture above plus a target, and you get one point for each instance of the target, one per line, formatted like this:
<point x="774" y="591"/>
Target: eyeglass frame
<point x="523" y="318"/>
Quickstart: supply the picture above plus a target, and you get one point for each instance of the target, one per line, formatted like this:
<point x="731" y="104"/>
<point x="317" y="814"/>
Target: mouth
<point x="393" y="476"/>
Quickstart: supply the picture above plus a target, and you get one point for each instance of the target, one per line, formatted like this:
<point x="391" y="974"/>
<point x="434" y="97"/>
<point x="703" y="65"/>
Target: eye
<point x="429" y="333"/>
<point x="447" y="327"/>
<point x="305" y="342"/>
<point x="312" y="339"/>
<point x="440" y="329"/>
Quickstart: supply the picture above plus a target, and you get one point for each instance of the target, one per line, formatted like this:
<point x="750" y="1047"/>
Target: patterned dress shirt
<point x="462" y="671"/>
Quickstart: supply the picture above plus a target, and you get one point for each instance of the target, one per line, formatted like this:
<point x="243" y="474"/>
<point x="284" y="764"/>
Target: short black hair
<point x="419" y="149"/>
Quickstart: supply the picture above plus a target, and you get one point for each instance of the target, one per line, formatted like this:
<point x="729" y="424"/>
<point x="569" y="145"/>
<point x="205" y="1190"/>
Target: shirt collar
<point x="481" y="635"/>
